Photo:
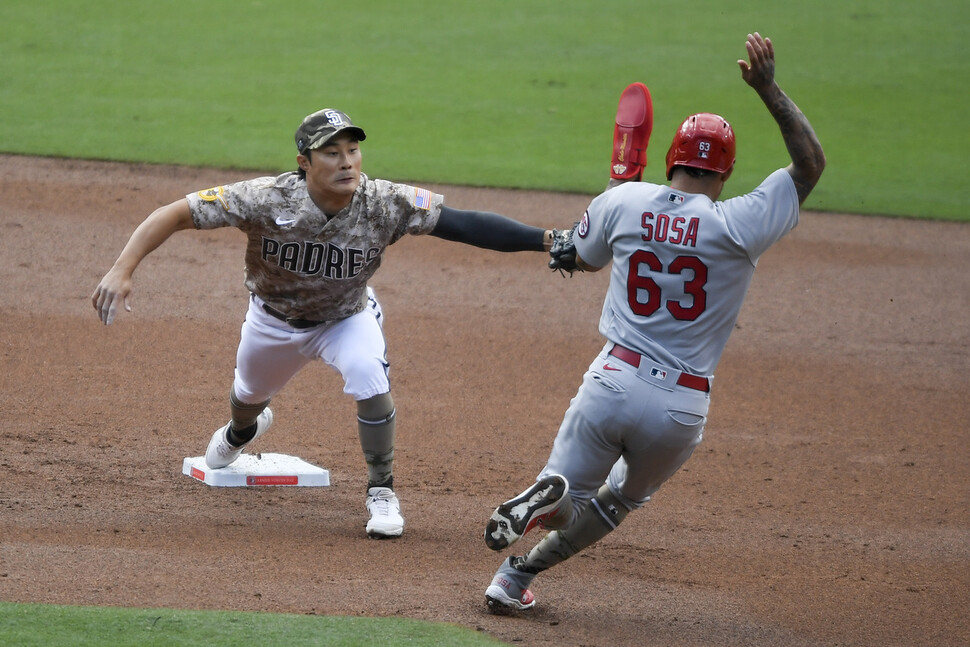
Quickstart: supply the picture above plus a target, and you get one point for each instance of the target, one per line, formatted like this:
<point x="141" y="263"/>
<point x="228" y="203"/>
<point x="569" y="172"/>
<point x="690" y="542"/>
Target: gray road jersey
<point x="298" y="260"/>
<point x="681" y="264"/>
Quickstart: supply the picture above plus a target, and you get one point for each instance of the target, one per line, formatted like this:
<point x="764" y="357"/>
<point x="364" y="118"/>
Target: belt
<point x="296" y="323"/>
<point x="632" y="358"/>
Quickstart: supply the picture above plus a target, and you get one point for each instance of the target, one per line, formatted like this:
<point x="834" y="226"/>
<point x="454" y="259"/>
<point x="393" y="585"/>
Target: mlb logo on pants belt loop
<point x="658" y="373"/>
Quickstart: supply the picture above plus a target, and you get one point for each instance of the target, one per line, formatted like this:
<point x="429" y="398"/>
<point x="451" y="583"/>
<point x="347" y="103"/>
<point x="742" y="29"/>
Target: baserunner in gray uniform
<point x="314" y="238"/>
<point x="681" y="265"/>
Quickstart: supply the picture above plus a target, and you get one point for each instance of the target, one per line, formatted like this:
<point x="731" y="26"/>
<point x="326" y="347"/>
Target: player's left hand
<point x="563" y="251"/>
<point x="760" y="72"/>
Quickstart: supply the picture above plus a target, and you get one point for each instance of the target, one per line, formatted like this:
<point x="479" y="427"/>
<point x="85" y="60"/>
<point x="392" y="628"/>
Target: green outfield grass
<point x="30" y="625"/>
<point x="502" y="93"/>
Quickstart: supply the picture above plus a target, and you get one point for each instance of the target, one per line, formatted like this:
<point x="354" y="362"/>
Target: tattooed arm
<point x="808" y="160"/>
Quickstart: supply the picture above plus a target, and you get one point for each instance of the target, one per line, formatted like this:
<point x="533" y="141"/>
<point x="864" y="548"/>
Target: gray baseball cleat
<point x="220" y="453"/>
<point x="518" y="516"/>
<point x="509" y="589"/>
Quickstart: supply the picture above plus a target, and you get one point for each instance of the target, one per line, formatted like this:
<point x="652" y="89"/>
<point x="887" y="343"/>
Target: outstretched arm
<point x="803" y="146"/>
<point x="114" y="288"/>
<point x="490" y="231"/>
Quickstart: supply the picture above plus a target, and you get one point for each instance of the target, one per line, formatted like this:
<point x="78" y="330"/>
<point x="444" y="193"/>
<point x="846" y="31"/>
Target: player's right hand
<point x="108" y="295"/>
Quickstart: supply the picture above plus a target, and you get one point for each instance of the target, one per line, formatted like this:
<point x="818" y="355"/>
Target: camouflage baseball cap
<point x="322" y="126"/>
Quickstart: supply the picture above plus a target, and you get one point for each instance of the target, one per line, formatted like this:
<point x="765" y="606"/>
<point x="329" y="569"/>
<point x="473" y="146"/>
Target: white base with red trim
<point x="258" y="469"/>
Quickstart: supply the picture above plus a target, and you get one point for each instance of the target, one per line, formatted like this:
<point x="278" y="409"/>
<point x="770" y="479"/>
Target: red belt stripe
<point x="632" y="358"/>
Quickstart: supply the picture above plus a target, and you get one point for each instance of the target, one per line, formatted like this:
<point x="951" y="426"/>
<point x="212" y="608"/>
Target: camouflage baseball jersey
<point x="302" y="262"/>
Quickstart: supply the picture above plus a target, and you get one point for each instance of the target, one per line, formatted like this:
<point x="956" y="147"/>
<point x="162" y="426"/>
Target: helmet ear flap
<point x="704" y="141"/>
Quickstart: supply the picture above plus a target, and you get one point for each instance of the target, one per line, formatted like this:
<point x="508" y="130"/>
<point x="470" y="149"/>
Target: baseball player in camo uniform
<point x="315" y="237"/>
<point x="682" y="263"/>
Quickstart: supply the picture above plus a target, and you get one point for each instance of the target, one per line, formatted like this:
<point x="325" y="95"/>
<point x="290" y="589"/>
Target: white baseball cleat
<point x="385" y="514"/>
<point x="220" y="453"/>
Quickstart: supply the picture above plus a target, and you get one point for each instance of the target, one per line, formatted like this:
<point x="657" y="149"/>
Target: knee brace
<point x="375" y="410"/>
<point x="610" y="510"/>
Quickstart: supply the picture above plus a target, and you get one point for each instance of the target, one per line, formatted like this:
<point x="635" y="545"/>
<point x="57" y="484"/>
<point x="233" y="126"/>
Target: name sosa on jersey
<point x="675" y="230"/>
<point x="309" y="258"/>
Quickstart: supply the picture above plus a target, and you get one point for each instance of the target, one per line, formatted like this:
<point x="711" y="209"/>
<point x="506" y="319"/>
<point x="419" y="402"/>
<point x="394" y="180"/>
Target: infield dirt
<point x="829" y="503"/>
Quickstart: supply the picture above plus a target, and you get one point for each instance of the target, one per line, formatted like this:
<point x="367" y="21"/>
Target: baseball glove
<point x="563" y="251"/>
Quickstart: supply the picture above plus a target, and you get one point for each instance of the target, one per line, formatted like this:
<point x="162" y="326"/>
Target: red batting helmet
<point x="703" y="141"/>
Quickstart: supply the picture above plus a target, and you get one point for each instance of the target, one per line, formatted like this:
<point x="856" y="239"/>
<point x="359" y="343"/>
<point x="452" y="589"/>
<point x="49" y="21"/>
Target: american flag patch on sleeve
<point x="422" y="198"/>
